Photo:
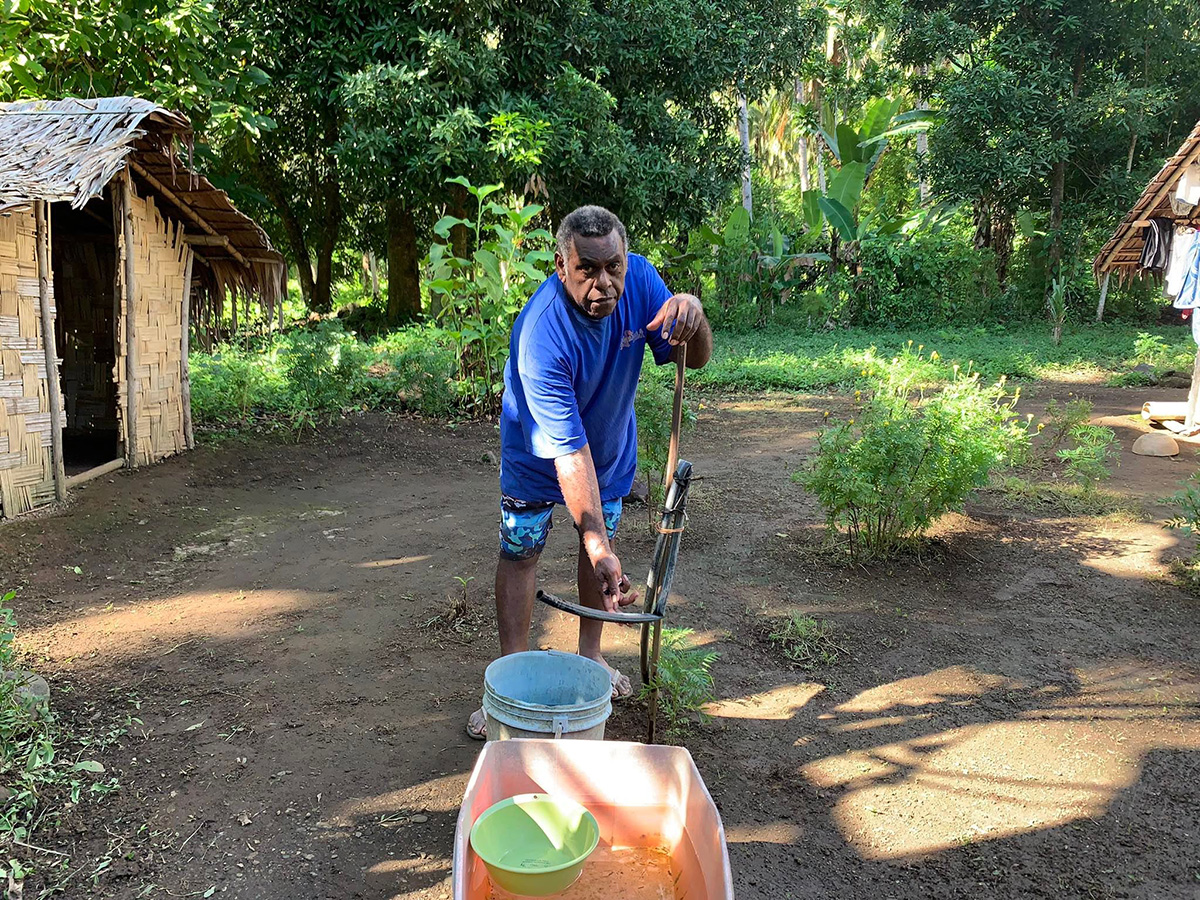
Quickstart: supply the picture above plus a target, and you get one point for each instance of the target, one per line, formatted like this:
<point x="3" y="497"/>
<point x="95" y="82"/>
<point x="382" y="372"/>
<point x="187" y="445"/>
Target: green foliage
<point x="921" y="278"/>
<point x="479" y="298"/>
<point x="684" y="680"/>
<point x="1062" y="420"/>
<point x="1187" y="521"/>
<point x="806" y="642"/>
<point x="1151" y="349"/>
<point x="889" y="473"/>
<point x="309" y="376"/>
<point x="175" y="52"/>
<point x="1087" y="460"/>
<point x="1068" y="499"/>
<point x="42" y="763"/>
<point x="797" y="358"/>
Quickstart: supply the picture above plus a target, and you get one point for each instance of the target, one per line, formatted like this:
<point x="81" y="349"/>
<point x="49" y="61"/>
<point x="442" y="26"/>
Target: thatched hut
<point x="1122" y="253"/>
<point x="109" y="243"/>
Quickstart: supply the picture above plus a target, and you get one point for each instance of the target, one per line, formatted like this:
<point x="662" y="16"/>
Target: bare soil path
<point x="1017" y="715"/>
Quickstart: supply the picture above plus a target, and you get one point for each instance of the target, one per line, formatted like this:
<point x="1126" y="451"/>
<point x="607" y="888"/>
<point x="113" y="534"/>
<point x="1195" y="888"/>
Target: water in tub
<point x="622" y="872"/>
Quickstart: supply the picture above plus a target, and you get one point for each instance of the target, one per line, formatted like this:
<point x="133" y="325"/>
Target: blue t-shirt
<point x="570" y="381"/>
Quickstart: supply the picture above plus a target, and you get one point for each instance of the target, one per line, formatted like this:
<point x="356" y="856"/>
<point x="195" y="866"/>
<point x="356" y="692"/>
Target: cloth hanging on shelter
<point x="1156" y="249"/>
<point x="1187" y="193"/>
<point x="1181" y="245"/>
<point x="1189" y="291"/>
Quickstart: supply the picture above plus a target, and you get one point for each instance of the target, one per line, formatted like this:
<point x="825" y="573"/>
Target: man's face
<point x="594" y="273"/>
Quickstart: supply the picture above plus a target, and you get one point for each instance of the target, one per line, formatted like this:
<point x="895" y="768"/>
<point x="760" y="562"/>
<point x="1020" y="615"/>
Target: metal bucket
<point x="546" y="694"/>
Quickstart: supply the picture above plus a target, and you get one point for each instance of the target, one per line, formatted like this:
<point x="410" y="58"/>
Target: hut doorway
<point x="83" y="251"/>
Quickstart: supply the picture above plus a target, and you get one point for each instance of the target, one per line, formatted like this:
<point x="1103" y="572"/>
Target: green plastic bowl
<point x="535" y="845"/>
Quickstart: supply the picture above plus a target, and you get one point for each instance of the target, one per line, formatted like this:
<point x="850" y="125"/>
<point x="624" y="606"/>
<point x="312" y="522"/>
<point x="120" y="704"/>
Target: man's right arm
<point x="577" y="479"/>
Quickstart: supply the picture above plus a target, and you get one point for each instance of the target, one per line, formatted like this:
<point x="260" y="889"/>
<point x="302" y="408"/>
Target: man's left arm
<point x="681" y="320"/>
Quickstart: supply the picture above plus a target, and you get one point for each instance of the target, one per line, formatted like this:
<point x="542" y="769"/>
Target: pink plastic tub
<point x="661" y="837"/>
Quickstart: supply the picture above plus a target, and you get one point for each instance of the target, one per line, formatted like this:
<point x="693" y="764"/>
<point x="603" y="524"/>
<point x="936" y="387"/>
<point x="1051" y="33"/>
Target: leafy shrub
<point x="1087" y="461"/>
<point x="684" y="680"/>
<point x="310" y="375"/>
<point x="1062" y="419"/>
<point x="1150" y="349"/>
<point x="1187" y="522"/>
<point x="889" y="473"/>
<point x="805" y="642"/>
<point x="923" y="278"/>
<point x="477" y="299"/>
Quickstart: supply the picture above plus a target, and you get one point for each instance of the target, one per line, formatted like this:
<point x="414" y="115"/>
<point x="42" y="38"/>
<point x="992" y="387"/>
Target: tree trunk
<point x="802" y="143"/>
<point x="404" y="281"/>
<point x="1003" y="231"/>
<point x="922" y="150"/>
<point x="1058" y="181"/>
<point x="744" y="133"/>
<point x="373" y="265"/>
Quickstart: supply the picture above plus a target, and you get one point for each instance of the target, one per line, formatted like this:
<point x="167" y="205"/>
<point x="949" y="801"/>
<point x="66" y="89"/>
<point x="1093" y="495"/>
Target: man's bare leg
<point x="516" y="581"/>
<point x="590" y="630"/>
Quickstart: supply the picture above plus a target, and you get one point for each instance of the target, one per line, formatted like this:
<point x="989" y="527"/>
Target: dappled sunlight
<point x="155" y="625"/>
<point x="1141" y="553"/>
<point x="763" y="833"/>
<point x="438" y="794"/>
<point x="1063" y="756"/>
<point x="388" y="563"/>
<point x="778" y="704"/>
<point x="944" y="686"/>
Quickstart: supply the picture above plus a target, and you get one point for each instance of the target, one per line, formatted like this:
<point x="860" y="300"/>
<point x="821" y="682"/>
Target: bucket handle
<point x="560" y="726"/>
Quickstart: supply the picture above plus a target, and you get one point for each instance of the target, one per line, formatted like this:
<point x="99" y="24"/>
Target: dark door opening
<point x="83" y="253"/>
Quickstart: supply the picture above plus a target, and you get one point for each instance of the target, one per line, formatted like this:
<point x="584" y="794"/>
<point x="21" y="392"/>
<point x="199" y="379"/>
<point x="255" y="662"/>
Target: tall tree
<point x="174" y="52"/>
<point x="1031" y="91"/>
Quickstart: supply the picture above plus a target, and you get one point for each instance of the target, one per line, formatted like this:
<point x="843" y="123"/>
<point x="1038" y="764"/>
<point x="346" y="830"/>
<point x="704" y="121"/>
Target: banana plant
<point x="857" y="150"/>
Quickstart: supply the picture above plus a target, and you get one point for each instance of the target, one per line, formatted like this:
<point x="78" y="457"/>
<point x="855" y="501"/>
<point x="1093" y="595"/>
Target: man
<point x="567" y="429"/>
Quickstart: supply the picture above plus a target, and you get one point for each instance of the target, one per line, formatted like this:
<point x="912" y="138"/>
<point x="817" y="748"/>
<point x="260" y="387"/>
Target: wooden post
<point x="42" y="224"/>
<point x="128" y="262"/>
<point x="1103" y="297"/>
<point x="1189" y="423"/>
<point x="185" y="377"/>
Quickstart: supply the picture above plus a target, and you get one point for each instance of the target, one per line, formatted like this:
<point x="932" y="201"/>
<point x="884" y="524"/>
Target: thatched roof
<point x="69" y="150"/>
<point x="1123" y="251"/>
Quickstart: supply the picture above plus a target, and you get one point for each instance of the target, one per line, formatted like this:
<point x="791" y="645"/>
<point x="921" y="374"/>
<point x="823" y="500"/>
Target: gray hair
<point x="588" y="221"/>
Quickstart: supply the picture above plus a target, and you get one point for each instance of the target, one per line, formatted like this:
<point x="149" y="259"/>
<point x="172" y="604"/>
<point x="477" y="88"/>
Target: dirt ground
<point x="1017" y="713"/>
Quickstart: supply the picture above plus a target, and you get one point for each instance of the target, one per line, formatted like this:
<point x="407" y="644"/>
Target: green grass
<point x="806" y="642"/>
<point x="48" y="768"/>
<point x="776" y="359"/>
<point x="311" y="374"/>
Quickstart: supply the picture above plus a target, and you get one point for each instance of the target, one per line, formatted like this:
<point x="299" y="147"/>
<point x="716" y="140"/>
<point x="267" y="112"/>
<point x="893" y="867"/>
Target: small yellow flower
<point x="1041" y="425"/>
<point x="851" y="421"/>
<point x="933" y="354"/>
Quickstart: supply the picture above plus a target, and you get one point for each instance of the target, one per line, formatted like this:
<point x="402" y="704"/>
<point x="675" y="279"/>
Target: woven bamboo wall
<point x="83" y="294"/>
<point x="159" y="255"/>
<point x="26" y="472"/>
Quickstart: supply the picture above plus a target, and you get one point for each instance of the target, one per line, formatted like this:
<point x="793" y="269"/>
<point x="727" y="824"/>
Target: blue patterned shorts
<point x="524" y="526"/>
